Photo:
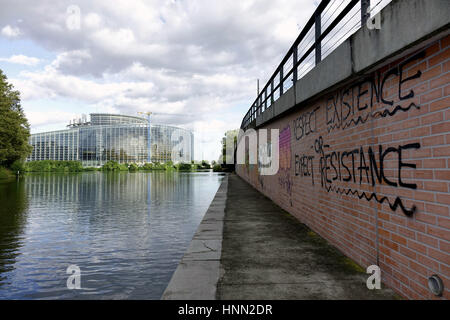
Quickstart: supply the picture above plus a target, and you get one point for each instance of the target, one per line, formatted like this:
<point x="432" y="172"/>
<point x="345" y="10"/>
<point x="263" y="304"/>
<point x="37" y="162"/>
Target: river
<point x="126" y="232"/>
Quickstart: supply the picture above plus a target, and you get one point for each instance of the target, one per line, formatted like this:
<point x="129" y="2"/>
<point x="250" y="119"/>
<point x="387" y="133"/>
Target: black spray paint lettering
<point x="345" y="104"/>
<point x="305" y="124"/>
<point x="304" y="166"/>
<point x="334" y="166"/>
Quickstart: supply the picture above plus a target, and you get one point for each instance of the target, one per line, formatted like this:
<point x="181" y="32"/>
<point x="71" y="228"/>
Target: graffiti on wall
<point x="362" y="165"/>
<point x="284" y="176"/>
<point x="354" y="105"/>
<point x="345" y="171"/>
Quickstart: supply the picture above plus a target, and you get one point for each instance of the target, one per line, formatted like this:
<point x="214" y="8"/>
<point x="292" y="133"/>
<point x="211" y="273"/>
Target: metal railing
<point x="338" y="19"/>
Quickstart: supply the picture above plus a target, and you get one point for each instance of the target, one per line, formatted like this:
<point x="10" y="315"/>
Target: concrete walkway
<point x="268" y="254"/>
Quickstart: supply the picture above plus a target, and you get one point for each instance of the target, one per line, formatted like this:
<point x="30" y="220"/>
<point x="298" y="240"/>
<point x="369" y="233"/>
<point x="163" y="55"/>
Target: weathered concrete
<point x="197" y="274"/>
<point x="404" y="24"/>
<point x="268" y="254"/>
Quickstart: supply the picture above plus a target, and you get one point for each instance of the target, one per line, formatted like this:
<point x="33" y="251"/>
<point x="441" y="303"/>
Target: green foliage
<point x="112" y="165"/>
<point x="18" y="166"/>
<point x="133" y="167"/>
<point x="205" y="165"/>
<point x="14" y="126"/>
<point x="147" y="166"/>
<point x="217" y="168"/>
<point x="184" y="166"/>
<point x="53" y="166"/>
<point x="158" y="166"/>
<point x="90" y="169"/>
<point x="169" y="163"/>
<point x="5" y="173"/>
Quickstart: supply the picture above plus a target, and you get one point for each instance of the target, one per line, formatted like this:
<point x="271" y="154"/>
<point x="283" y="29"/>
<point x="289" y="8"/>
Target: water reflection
<point x="13" y="205"/>
<point x="126" y="231"/>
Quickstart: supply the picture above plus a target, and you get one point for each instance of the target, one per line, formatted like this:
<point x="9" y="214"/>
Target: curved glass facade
<point x="113" y="137"/>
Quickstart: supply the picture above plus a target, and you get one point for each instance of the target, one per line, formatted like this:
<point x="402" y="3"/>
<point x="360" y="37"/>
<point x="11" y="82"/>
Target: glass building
<point x="113" y="137"/>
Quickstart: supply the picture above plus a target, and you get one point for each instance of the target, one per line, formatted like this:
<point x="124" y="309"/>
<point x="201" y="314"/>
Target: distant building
<point x="115" y="137"/>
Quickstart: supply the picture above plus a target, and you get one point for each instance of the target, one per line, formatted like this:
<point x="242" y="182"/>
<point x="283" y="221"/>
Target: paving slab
<point x="268" y="254"/>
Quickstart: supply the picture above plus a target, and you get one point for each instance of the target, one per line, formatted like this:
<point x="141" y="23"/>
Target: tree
<point x="14" y="126"/>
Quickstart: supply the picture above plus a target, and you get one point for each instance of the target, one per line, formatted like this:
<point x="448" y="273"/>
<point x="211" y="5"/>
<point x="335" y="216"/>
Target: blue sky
<point x="196" y="60"/>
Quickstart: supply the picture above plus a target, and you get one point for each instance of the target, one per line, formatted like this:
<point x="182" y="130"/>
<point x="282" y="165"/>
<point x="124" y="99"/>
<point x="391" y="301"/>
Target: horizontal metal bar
<point x="260" y="101"/>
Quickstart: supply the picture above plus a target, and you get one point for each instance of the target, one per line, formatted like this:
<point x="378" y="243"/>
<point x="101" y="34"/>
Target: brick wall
<point x="367" y="167"/>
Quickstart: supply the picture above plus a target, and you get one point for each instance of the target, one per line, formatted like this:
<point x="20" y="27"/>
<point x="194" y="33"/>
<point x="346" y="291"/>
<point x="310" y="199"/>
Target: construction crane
<point x="148" y="114"/>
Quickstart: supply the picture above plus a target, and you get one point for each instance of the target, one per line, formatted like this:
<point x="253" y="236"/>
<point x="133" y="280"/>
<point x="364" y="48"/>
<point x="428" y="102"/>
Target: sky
<point x="194" y="62"/>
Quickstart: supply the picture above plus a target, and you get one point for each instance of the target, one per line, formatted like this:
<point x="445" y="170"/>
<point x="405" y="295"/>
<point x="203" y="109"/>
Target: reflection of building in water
<point x="112" y="137"/>
<point x="100" y="187"/>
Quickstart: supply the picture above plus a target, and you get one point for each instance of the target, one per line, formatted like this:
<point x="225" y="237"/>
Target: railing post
<point x="272" y="98"/>
<point x="281" y="81"/>
<point x="260" y="110"/>
<point x="265" y="99"/>
<point x="294" y="64"/>
<point x="365" y="15"/>
<point x="318" y="25"/>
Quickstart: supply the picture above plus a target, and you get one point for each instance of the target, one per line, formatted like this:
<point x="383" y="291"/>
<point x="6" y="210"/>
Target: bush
<point x="158" y="166"/>
<point x="205" y="165"/>
<point x="5" y="173"/>
<point x="217" y="168"/>
<point x="114" y="166"/>
<point x="18" y="166"/>
<point x="90" y="169"/>
<point x="147" y="166"/>
<point x="133" y="167"/>
<point x="184" y="166"/>
<point x="53" y="166"/>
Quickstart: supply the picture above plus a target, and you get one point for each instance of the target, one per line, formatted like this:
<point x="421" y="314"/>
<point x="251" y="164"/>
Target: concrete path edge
<point x="198" y="272"/>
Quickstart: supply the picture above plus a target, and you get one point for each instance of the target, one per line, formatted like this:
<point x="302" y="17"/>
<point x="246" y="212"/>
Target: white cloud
<point x="38" y="119"/>
<point x="199" y="58"/>
<point x="22" y="59"/>
<point x="11" y="32"/>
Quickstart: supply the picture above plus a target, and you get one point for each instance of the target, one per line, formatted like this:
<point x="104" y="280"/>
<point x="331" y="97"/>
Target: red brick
<point x="439" y="255"/>
<point x="433" y="141"/>
<point x="398" y="239"/>
<point x="444" y="246"/>
<point x="441" y="81"/>
<point x="445" y="42"/>
<point x="429" y="263"/>
<point x="440" y="104"/>
<point x="440" y="128"/>
<point x="438" y="232"/>
<point x="409" y="253"/>
<point x="427" y="239"/>
<point x="417" y="247"/>
<point x="434" y="163"/>
<point x="436" y="208"/>
<point x="439" y="57"/>
<point x="443" y="198"/>
<point x="431" y="118"/>
<point x="425" y="217"/>
<point x="441" y="151"/>
<point x="444" y="222"/>
<point x="435" y="186"/>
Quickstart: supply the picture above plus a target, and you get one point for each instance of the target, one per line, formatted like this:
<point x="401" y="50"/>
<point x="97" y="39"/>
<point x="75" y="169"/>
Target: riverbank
<point x="256" y="250"/>
<point x="76" y="166"/>
<point x="198" y="272"/>
<point x="6" y="174"/>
